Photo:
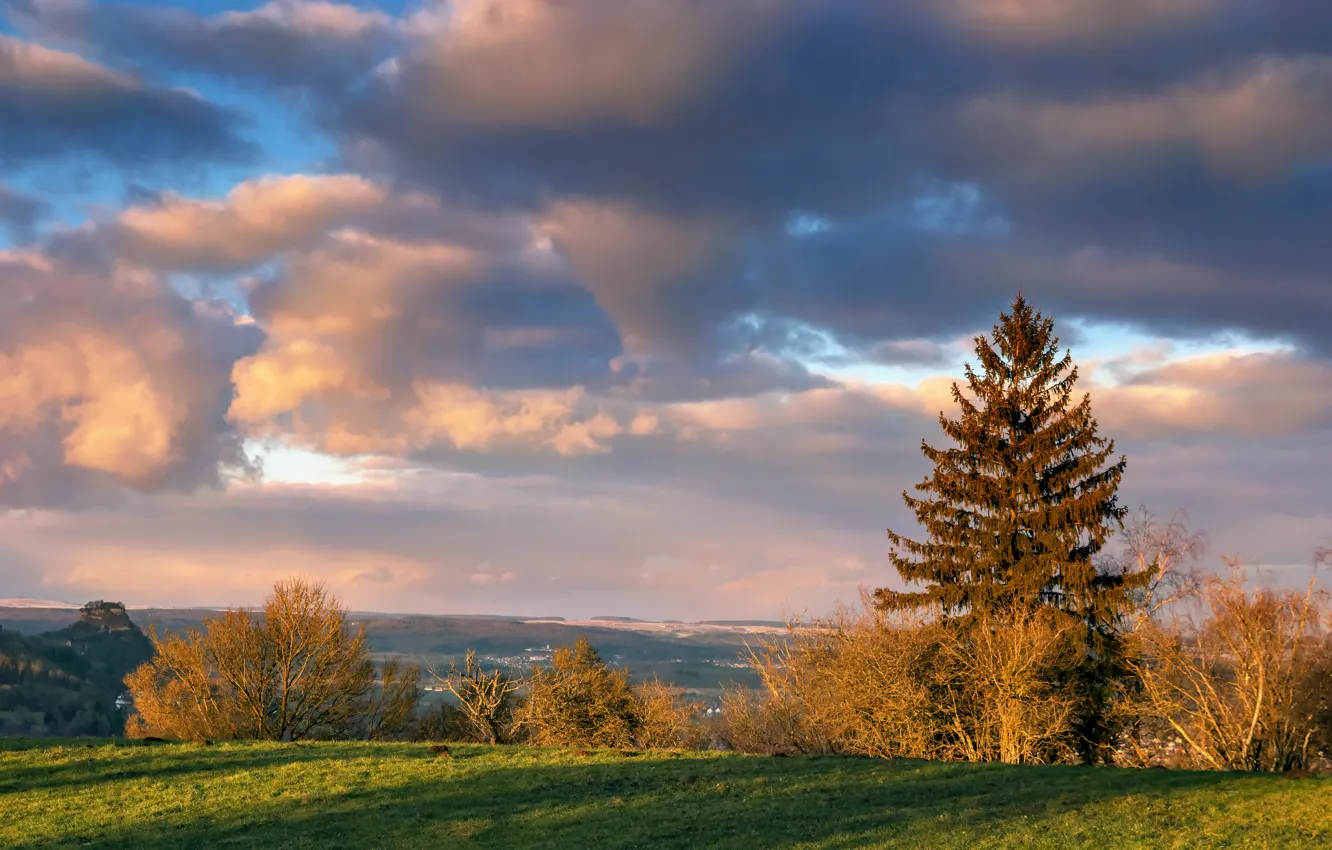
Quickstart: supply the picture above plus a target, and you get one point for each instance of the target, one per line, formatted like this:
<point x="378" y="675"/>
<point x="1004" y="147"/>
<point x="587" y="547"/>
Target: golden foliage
<point x="1246" y="689"/>
<point x="666" y="719"/>
<point x="295" y="672"/>
<point x="579" y="701"/>
<point x="896" y="685"/>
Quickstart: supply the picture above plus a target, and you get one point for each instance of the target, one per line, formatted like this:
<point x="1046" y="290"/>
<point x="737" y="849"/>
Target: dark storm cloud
<point x="55" y="104"/>
<point x="1172" y="138"/>
<point x="1186" y="139"/>
<point x="827" y="105"/>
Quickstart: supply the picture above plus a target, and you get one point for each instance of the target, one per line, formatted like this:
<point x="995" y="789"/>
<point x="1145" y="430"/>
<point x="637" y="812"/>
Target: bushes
<point x="296" y="673"/>
<point x="896" y="686"/>
<point x="1316" y="695"/>
<point x="666" y="720"/>
<point x="767" y="723"/>
<point x="1248" y="689"/>
<point x="579" y="702"/>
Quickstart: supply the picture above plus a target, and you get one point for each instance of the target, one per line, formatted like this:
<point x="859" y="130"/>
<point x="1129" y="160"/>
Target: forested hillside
<point x="66" y="682"/>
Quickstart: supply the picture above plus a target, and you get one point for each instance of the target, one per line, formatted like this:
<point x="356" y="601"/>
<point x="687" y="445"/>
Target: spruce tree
<point x="1017" y="509"/>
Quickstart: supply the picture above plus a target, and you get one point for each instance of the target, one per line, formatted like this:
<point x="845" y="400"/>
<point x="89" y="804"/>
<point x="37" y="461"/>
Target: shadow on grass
<point x="483" y="799"/>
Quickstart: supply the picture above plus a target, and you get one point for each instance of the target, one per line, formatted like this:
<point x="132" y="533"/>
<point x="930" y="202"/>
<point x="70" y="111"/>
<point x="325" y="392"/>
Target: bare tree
<point x="321" y="672"/>
<point x="485" y="698"/>
<point x="1169" y="553"/>
<point x="390" y="711"/>
<point x="1233" y="689"/>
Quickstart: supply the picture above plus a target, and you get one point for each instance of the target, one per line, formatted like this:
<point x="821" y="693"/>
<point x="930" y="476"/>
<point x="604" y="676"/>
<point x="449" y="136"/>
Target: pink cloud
<point x="112" y="378"/>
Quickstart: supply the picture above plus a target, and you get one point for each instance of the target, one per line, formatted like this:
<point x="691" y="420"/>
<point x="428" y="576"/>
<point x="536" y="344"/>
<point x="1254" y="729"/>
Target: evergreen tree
<point x="1017" y="509"/>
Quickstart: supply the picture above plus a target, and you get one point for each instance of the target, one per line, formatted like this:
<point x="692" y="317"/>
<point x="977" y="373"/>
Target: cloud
<point x="1242" y="124"/>
<point x="20" y="213"/>
<point x="446" y="554"/>
<point x="256" y="219"/>
<point x="1252" y="396"/>
<point x="376" y="344"/>
<point x="484" y="577"/>
<point x="578" y="265"/>
<point x="922" y="137"/>
<point x="918" y="140"/>
<point x="368" y="295"/>
<point x="109" y="382"/>
<point x="1035" y="22"/>
<point x="55" y="104"/>
<point x="657" y="278"/>
<point x="263" y="218"/>
<point x="285" y="43"/>
<point x="532" y="63"/>
<point x="774" y="505"/>
<point x="378" y="575"/>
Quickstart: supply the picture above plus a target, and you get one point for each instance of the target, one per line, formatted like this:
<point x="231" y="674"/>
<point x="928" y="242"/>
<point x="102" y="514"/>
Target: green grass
<point x="81" y="794"/>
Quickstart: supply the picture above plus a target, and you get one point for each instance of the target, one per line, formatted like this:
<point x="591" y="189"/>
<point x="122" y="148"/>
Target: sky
<point x="634" y="307"/>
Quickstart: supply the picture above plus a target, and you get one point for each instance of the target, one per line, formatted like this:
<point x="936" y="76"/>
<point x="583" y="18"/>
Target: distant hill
<point x="690" y="657"/>
<point x="65" y="682"/>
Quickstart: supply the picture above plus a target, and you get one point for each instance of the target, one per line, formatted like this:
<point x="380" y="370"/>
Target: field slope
<point x="83" y="794"/>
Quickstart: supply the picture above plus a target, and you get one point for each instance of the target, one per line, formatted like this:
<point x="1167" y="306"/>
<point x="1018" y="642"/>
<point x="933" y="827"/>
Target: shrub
<point x="1007" y="689"/>
<point x="442" y="721"/>
<point x="1315" y="695"/>
<point x="177" y="695"/>
<point x="1245" y="690"/>
<point x="390" y="712"/>
<point x="895" y="685"/>
<point x="666" y="719"/>
<point x="767" y="723"/>
<point x="295" y="673"/>
<point x="579" y="701"/>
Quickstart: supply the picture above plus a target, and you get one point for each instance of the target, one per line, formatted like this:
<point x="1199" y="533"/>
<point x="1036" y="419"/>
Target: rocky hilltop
<point x="102" y="616"/>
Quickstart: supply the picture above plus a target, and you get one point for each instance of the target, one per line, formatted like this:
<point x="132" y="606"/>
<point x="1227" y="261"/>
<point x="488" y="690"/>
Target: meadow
<point x="103" y="794"/>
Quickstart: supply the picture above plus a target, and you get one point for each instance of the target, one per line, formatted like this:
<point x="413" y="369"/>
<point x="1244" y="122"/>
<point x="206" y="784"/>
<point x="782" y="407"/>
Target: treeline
<point x="42" y="693"/>
<point x="295" y="671"/>
<point x="1248" y="689"/>
<point x="1022" y="639"/>
<point x="1246" y="686"/>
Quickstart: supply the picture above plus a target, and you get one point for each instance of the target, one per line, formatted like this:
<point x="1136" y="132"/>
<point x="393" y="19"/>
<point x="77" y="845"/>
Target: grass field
<point x="81" y="794"/>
